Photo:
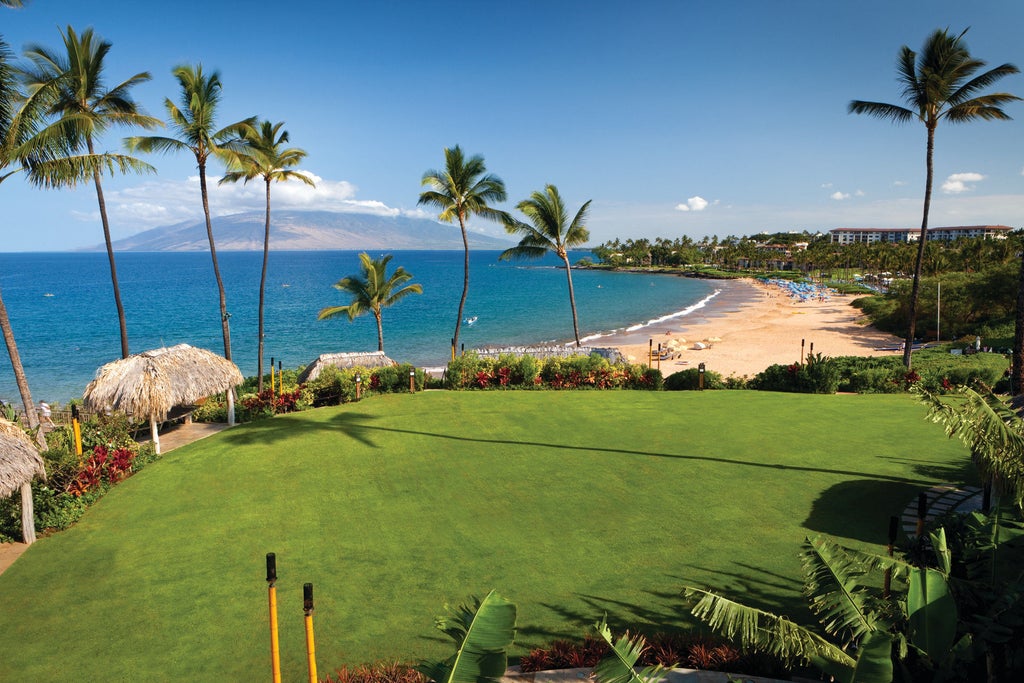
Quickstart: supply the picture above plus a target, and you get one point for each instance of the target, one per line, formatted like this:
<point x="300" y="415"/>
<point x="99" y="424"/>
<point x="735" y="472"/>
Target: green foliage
<point x="623" y="655"/>
<point x="482" y="633"/>
<point x="689" y="380"/>
<point x="819" y="375"/>
<point x="509" y="371"/>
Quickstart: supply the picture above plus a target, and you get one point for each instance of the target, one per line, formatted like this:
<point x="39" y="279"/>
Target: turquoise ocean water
<point x="62" y="309"/>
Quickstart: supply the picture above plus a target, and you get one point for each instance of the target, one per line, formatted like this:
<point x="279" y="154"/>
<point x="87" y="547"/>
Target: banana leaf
<point x="619" y="665"/>
<point x="932" y="613"/>
<point x="482" y="634"/>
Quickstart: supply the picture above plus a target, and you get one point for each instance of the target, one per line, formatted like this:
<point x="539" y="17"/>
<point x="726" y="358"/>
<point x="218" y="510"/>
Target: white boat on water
<point x="470" y="321"/>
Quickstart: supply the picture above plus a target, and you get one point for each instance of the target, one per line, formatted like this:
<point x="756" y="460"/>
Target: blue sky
<point x="675" y="118"/>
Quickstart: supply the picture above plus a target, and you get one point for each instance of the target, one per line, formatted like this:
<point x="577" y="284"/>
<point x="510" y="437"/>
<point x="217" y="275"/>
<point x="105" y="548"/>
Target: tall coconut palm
<point x="17" y="125"/>
<point x="372" y="291"/>
<point x="263" y="157"/>
<point x="549" y="229"/>
<point x="939" y="84"/>
<point x="463" y="189"/>
<point x="84" y="109"/>
<point x="193" y="122"/>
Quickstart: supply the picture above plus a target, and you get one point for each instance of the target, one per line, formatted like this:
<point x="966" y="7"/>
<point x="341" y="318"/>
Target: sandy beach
<point x="752" y="326"/>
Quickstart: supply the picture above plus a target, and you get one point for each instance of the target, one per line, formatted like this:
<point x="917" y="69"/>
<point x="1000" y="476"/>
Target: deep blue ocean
<point x="62" y="309"/>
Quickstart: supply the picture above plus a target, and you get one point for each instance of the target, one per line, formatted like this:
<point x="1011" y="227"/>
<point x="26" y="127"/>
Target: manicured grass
<point x="571" y="504"/>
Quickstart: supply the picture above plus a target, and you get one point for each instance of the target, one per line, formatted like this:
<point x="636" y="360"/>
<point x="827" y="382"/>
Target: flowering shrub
<point x="269" y="402"/>
<point x="102" y="466"/>
<point x="469" y="371"/>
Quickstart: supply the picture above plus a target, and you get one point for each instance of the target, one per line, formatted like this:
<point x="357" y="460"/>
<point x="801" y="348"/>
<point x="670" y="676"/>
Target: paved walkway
<point x="941" y="499"/>
<point x="175" y="437"/>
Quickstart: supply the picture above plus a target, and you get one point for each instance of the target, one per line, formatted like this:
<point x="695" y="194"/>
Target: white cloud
<point x="859" y="193"/>
<point x="899" y="183"/>
<point x="826" y="185"/>
<point x="961" y="182"/>
<point x="157" y="203"/>
<point x="839" y="196"/>
<point x="694" y="204"/>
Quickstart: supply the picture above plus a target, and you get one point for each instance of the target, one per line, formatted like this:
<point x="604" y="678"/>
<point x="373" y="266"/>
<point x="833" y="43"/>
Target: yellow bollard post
<point x="280" y="379"/>
<point x="307" y="608"/>
<point x="272" y="376"/>
<point x="76" y="426"/>
<point x="275" y="650"/>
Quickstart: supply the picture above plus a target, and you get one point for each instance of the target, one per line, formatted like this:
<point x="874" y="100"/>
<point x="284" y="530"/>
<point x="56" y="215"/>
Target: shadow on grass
<point x="358" y="427"/>
<point x="860" y="509"/>
<point x="670" y="612"/>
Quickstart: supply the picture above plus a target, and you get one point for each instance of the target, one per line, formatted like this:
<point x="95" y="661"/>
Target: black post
<point x="700" y="377"/>
<point x="802" y="351"/>
<point x="922" y="511"/>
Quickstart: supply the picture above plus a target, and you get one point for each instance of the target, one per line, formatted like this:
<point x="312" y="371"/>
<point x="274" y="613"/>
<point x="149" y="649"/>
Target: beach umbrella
<point x="153" y="382"/>
<point x="351" y="359"/>
<point x="20" y="462"/>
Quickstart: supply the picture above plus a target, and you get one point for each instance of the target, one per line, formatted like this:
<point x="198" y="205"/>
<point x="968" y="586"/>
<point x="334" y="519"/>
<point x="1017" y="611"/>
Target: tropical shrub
<point x="381" y="672"/>
<point x="819" y="375"/>
<point x="689" y="380"/>
<point x="508" y="371"/>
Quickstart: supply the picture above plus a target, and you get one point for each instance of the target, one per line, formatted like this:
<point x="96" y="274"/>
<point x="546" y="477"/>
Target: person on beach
<point x="44" y="414"/>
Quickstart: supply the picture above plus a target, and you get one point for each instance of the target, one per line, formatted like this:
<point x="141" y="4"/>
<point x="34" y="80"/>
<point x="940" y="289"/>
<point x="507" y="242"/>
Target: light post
<point x="700" y="377"/>
<point x="412" y="381"/>
<point x="359" y="385"/>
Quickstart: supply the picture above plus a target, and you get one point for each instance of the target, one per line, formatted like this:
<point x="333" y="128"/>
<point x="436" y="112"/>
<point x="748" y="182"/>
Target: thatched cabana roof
<point x="20" y="461"/>
<point x="150" y="383"/>
<point x="366" y="359"/>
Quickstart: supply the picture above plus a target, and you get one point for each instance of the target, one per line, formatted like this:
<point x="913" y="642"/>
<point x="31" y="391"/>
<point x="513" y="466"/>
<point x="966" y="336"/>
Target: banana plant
<point x="482" y="632"/>
<point x="620" y="664"/>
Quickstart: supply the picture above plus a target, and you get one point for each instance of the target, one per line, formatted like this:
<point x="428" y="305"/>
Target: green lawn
<point x="571" y="504"/>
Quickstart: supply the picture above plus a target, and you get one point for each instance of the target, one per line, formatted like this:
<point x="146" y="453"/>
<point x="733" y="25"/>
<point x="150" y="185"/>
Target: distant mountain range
<point x="307" y="231"/>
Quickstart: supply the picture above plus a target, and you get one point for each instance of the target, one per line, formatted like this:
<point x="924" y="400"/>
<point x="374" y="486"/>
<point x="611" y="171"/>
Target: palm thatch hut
<point x="153" y="382"/>
<point x="367" y="359"/>
<point x="20" y="462"/>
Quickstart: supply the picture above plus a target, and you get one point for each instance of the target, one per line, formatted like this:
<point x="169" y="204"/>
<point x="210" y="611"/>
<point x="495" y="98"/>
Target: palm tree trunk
<point x="110" y="255"/>
<point x="263" y="288"/>
<point x="19" y="370"/>
<point x="380" y="331"/>
<point x="225" y="327"/>
<point x="915" y="289"/>
<point x="28" y="515"/>
<point x="572" y="298"/>
<point x="465" y="282"/>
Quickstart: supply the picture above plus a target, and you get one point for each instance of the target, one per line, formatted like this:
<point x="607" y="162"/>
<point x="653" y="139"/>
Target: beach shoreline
<point x="749" y="326"/>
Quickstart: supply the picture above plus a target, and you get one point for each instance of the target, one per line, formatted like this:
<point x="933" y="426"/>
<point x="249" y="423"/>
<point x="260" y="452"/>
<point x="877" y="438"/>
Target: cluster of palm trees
<point x="55" y="108"/>
<point x="464" y="189"/>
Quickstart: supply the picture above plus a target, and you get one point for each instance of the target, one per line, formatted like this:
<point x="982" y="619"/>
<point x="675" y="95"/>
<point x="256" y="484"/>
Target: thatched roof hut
<point x="153" y="382"/>
<point x="20" y="462"/>
<point x="367" y="359"/>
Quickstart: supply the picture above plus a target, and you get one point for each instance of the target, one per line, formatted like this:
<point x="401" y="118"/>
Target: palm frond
<point x="619" y="666"/>
<point x="760" y="630"/>
<point x="882" y="110"/>
<point x="70" y="171"/>
<point x="482" y="633"/>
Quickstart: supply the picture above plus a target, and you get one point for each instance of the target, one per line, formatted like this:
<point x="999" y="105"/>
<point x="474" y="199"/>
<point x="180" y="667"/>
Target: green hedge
<point x="511" y="371"/>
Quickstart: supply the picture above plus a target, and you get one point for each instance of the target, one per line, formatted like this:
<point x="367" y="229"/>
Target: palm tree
<point x="549" y="230"/>
<point x="85" y="108"/>
<point x="463" y="189"/>
<point x="193" y="121"/>
<point x="939" y="84"/>
<point x="264" y="158"/>
<point x="372" y="291"/>
<point x="17" y="125"/>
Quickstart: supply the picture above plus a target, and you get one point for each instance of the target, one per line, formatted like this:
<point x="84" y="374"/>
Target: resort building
<point x="871" y="235"/>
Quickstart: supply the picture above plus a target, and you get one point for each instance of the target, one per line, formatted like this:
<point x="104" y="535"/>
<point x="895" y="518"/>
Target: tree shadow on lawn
<point x="357" y="427"/>
<point x="670" y="611"/>
<point x="860" y="509"/>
